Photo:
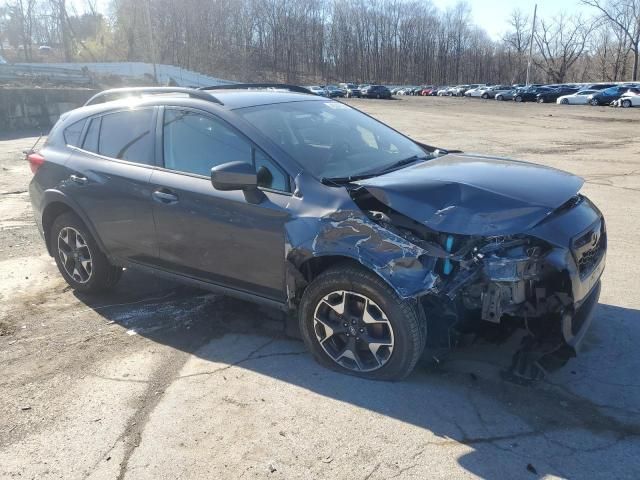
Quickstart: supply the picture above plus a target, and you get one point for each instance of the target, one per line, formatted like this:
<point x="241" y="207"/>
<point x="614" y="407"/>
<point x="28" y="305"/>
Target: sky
<point x="493" y="15"/>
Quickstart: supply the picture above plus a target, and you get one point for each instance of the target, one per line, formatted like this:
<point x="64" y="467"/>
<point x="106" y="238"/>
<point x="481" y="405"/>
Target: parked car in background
<point x="426" y="91"/>
<point x="581" y="97"/>
<point x="459" y="90"/>
<point x="443" y="91"/>
<point x="506" y="95"/>
<point x="318" y="90"/>
<point x="476" y="92"/>
<point x="334" y="91"/>
<point x="494" y="90"/>
<point x="608" y="95"/>
<point x="631" y="98"/>
<point x="376" y="91"/>
<point x="350" y="90"/>
<point x="552" y="95"/>
<point x="529" y="94"/>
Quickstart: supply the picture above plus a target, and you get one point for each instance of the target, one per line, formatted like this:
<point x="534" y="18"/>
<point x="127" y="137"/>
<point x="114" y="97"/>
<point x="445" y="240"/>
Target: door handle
<point x="165" y="196"/>
<point x="78" y="179"/>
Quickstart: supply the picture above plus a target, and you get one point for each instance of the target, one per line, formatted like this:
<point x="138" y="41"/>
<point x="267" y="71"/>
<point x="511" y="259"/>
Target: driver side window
<point x="195" y="143"/>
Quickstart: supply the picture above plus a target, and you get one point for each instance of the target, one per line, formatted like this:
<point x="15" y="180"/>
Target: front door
<point x="212" y="235"/>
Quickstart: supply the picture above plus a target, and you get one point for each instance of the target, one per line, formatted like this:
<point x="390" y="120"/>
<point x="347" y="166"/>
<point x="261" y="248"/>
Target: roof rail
<point x="248" y="86"/>
<point x="139" y="91"/>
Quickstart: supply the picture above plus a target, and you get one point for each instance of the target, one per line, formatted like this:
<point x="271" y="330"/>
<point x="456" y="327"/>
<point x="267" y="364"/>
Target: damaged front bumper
<point x="546" y="282"/>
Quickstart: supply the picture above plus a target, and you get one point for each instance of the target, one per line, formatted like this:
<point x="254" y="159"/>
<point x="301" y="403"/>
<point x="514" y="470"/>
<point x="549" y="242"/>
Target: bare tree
<point x="624" y="14"/>
<point x="561" y="41"/>
<point x="517" y="41"/>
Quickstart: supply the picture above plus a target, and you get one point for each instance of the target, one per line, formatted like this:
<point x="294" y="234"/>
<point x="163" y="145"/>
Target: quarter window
<point x="72" y="133"/>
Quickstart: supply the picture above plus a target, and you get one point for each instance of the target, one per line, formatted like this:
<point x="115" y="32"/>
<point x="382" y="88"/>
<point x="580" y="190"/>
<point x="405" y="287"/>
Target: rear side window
<point x="72" y="133"/>
<point x="91" y="138"/>
<point x="127" y="136"/>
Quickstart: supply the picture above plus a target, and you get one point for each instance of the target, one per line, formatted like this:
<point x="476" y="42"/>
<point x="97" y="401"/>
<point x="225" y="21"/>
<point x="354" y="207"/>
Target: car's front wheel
<point x="594" y="102"/>
<point x="80" y="261"/>
<point x="353" y="322"/>
<point x="518" y="98"/>
<point x="626" y="103"/>
<point x="485" y="96"/>
<point x="564" y="101"/>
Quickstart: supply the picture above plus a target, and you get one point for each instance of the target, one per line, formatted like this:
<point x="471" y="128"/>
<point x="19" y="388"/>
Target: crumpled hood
<point x="475" y="195"/>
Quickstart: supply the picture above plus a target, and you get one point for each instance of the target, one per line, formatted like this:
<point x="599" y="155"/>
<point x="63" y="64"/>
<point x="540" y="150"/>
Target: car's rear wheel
<point x="518" y="98"/>
<point x="541" y="100"/>
<point x="353" y="322"/>
<point x="594" y="102"/>
<point x="80" y="261"/>
<point x="485" y="96"/>
<point x="564" y="101"/>
<point x="626" y="103"/>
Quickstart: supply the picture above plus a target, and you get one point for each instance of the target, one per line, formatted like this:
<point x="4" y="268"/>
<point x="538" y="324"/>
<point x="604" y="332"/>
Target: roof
<point x="233" y="99"/>
<point x="228" y="98"/>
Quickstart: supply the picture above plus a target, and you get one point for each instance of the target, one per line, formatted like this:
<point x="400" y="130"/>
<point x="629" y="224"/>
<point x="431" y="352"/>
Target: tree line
<point x="323" y="41"/>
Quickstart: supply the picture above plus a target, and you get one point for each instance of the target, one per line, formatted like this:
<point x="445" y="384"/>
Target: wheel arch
<point x="353" y="240"/>
<point x="56" y="204"/>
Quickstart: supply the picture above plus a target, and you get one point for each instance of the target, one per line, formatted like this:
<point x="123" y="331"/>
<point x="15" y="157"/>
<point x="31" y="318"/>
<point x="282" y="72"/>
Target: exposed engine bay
<point x="511" y="281"/>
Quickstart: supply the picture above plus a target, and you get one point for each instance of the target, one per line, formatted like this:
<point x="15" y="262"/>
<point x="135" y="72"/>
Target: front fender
<point x="349" y="233"/>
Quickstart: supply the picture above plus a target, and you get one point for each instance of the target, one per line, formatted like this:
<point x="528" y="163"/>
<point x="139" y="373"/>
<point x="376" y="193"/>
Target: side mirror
<point x="237" y="176"/>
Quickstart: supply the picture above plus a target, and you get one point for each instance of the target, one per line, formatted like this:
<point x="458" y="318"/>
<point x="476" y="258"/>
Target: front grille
<point x="589" y="248"/>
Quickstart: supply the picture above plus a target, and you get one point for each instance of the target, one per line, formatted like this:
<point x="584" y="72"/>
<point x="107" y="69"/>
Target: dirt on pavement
<point x="158" y="380"/>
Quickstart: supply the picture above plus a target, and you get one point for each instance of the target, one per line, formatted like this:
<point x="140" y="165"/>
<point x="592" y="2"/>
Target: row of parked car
<point x="619" y="95"/>
<point x="351" y="90"/>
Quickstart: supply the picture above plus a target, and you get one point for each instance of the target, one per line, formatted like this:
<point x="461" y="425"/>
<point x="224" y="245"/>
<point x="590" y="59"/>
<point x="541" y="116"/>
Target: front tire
<point x="594" y="102"/>
<point x="80" y="261"/>
<point x="353" y="322"/>
<point x="564" y="101"/>
<point x="518" y="99"/>
<point x="626" y="103"/>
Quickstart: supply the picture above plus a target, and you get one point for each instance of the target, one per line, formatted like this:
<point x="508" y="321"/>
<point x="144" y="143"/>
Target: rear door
<point x="212" y="235"/>
<point x="109" y="179"/>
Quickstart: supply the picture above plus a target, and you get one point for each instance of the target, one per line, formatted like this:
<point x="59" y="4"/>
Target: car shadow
<point x="461" y="399"/>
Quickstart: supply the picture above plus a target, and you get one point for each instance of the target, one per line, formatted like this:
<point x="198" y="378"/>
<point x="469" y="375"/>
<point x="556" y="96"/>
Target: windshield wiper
<point x="401" y="163"/>
<point x="390" y="168"/>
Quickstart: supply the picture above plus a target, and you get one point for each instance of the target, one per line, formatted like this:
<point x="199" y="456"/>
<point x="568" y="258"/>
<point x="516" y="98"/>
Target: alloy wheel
<point x="353" y="331"/>
<point x="626" y="103"/>
<point x="75" y="255"/>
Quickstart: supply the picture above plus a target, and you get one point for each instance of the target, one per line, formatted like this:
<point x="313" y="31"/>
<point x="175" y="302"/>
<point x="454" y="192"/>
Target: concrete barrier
<point x="22" y="108"/>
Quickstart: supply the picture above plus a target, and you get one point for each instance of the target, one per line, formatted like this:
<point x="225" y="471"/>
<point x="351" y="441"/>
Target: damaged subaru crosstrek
<point x="382" y="245"/>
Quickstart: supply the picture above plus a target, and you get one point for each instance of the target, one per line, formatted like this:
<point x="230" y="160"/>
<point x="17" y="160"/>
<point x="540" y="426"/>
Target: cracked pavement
<point x="161" y="381"/>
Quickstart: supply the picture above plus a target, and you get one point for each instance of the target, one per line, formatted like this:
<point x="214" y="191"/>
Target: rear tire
<point x="564" y="101"/>
<point x="518" y="99"/>
<point x="383" y="342"/>
<point x="626" y="103"/>
<point x="80" y="261"/>
<point x="485" y="96"/>
<point x="594" y="102"/>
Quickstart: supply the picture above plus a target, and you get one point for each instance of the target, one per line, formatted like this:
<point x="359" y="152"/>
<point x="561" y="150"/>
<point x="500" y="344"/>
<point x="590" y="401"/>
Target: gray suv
<point x="380" y="244"/>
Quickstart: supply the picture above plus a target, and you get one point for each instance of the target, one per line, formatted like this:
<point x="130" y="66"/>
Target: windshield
<point x="330" y="139"/>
